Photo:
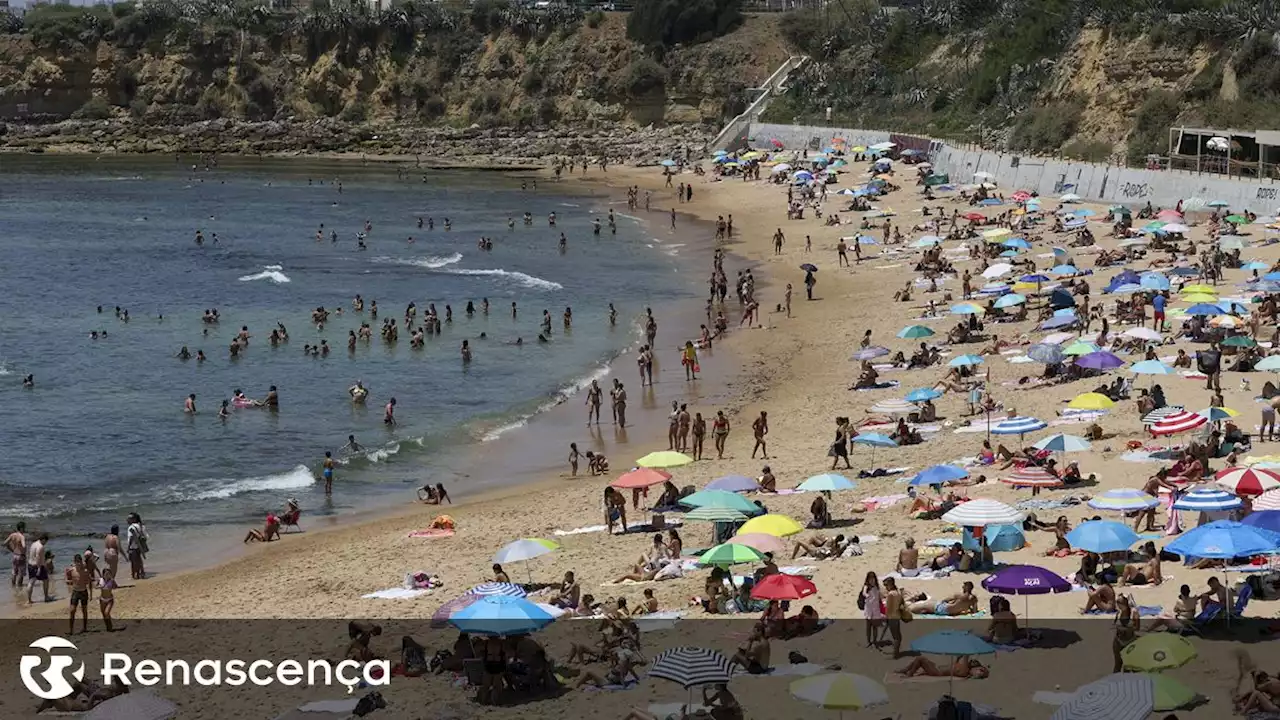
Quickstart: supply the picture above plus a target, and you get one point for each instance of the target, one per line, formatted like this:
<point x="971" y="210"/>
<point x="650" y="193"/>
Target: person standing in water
<point x="613" y="315"/>
<point x="328" y="473"/>
<point x="189" y="407"/>
<point x="37" y="571"/>
<point x="620" y="402"/>
<point x="389" y="413"/>
<point x="16" y="544"/>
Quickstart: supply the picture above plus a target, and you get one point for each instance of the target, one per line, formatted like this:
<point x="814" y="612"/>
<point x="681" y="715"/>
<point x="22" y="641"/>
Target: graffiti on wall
<point x="1267" y="193"/>
<point x="1131" y="191"/>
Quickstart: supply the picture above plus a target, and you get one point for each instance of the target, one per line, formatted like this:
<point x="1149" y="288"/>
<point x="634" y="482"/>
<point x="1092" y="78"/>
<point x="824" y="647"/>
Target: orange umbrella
<point x="640" y="478"/>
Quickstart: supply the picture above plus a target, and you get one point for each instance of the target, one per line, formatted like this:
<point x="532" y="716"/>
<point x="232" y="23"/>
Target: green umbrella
<point x="1236" y="219"/>
<point x="1170" y="694"/>
<point x="1080" y="347"/>
<point x="912" y="332"/>
<point x="1239" y="341"/>
<point x="730" y="554"/>
<point x="721" y="499"/>
<point x="715" y="514"/>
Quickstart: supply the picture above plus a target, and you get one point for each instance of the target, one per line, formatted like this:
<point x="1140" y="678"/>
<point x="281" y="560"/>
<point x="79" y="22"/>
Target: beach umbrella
<point x="498" y="588"/>
<point x="1059" y="321"/>
<point x="1091" y="401"/>
<point x="640" y="478"/>
<point x="869" y="353"/>
<point x="1102" y="536"/>
<point x="1214" y="414"/>
<point x="1154" y="281"/>
<point x="1170" y="693"/>
<point x="1017" y="243"/>
<point x="920" y="395"/>
<point x="1101" y="360"/>
<point x="771" y="524"/>
<point x="1266" y="519"/>
<point x="926" y="241"/>
<point x="763" y="542"/>
<point x="1269" y="500"/>
<point x="1032" y="476"/>
<point x="1200" y="288"/>
<point x="911" y="332"/>
<point x="1035" y="278"/>
<point x="721" y="499"/>
<point x="1158" y="651"/>
<point x="1123" y="500"/>
<point x="664" y="459"/>
<point x="1020" y="425"/>
<point x="1065" y="270"/>
<point x="1080" y="347"/>
<point x="829" y="482"/>
<point x="500" y="615"/>
<point x="1124" y="696"/>
<point x="1128" y="289"/>
<point x="995" y="288"/>
<point x="1010" y="300"/>
<point x="1025" y="580"/>
<point x="1063" y="443"/>
<point x="1237" y="219"/>
<point x="873" y="441"/>
<point x="1224" y="539"/>
<point x="440" y="618"/>
<point x="1159" y="414"/>
<point x="525" y="549"/>
<point x="966" y="309"/>
<point x="734" y="483"/>
<point x="997" y="270"/>
<point x="840" y="691"/>
<point x="1152" y="367"/>
<point x="809" y="267"/>
<point x="1271" y="363"/>
<point x="1178" y="422"/>
<point x="781" y="586"/>
<point x="1045" y="354"/>
<point x="1070" y="198"/>
<point x="982" y="512"/>
<point x="1226" y="321"/>
<point x="996" y="233"/>
<point x="1009" y="254"/>
<point x="1057" y="338"/>
<point x="726" y="554"/>
<point x="1204" y="309"/>
<point x="135" y="705"/>
<point x="999" y="538"/>
<point x="1175" y="229"/>
<point x="964" y="360"/>
<point x="939" y="475"/>
<point x="1207" y="499"/>
<point x="1254" y="265"/>
<point x="1183" y="271"/>
<point x="691" y="666"/>
<point x="714" y="514"/>
<point x="894" y="406"/>
<point x="952" y="643"/>
<point x="668" y="163"/>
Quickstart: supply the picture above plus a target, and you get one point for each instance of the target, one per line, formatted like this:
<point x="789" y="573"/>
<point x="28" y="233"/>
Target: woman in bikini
<point x="720" y="431"/>
<point x="699" y="434"/>
<point x="963" y="667"/>
<point x="106" y="595"/>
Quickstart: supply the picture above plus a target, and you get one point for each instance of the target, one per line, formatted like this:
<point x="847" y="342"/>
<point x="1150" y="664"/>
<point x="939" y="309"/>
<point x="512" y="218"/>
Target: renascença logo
<point x="120" y="667"/>
<point x="55" y="686"/>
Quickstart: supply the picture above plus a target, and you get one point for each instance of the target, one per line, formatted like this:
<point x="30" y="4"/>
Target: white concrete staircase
<point x="734" y="132"/>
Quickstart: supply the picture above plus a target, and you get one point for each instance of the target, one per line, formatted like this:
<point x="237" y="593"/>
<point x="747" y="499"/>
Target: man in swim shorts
<point x="328" y="473"/>
<point x="16" y="544"/>
<point x="36" y="569"/>
<point x="78" y="583"/>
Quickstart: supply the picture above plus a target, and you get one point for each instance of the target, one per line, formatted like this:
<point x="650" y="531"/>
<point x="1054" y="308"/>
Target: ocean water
<point x="103" y="431"/>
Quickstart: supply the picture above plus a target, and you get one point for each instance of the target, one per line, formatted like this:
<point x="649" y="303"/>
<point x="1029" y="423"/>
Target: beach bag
<point x="862" y="600"/>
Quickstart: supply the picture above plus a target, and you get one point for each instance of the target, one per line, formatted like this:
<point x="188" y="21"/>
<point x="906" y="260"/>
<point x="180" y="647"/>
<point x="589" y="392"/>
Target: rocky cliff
<point x="478" y="79"/>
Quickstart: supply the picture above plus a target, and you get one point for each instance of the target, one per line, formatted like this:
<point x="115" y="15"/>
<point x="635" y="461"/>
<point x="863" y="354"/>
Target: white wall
<point x="1052" y="177"/>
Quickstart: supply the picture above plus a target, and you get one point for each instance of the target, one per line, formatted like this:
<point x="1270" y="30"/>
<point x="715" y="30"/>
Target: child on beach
<point x="573" y="459"/>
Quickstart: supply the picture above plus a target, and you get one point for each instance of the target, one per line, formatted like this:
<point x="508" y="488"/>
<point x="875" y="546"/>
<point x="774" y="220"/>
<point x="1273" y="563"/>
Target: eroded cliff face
<point x="264" y="91"/>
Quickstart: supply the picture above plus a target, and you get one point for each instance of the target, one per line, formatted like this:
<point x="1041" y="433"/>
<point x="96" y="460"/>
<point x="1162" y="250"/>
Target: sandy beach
<point x="797" y="369"/>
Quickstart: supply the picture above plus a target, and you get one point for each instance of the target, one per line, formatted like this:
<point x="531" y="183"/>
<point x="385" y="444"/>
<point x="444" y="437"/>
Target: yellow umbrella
<point x="1199" y="298"/>
<point x="1200" y="288"/>
<point x="664" y="459"/>
<point x="1170" y="693"/>
<point x="771" y="524"/>
<point x="996" y="233"/>
<point x="751" y="155"/>
<point x="1158" y="651"/>
<point x="857" y="149"/>
<point x="1091" y="401"/>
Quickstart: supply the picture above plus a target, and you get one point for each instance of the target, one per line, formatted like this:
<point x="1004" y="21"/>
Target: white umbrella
<point x="983" y="175"/>
<point x="1142" y="333"/>
<point x="1175" y="228"/>
<point x="997" y="270"/>
<point x="893" y="406"/>
<point x="781" y="168"/>
<point x="1070" y="197"/>
<point x="1123" y="696"/>
<point x="982" y="512"/>
<point x="137" y="705"/>
<point x="525" y="549"/>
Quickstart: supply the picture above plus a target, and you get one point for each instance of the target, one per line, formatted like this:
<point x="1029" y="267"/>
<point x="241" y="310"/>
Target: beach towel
<point x="796" y="670"/>
<point x="330" y="706"/>
<point x="664" y="710"/>
<point x="398" y="593"/>
<point x="894" y="678"/>
<point x="611" y="688"/>
<point x="1038" y="504"/>
<point x="431" y="533"/>
<point x="798" y="570"/>
<point x="580" y="531"/>
<point x="1143" y="610"/>
<point x="879" y="386"/>
<point x="882" y="472"/>
<point x="970" y="616"/>
<point x="925" y="574"/>
<point x="1192" y="375"/>
<point x="883" y="501"/>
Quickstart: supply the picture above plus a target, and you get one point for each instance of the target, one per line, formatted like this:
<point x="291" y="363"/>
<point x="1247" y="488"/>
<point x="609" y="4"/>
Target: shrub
<point x="1047" y="128"/>
<point x="547" y="110"/>
<point x="95" y="109"/>
<point x="594" y="18"/>
<point x="433" y="108"/>
<point x="1151" y="125"/>
<point x="1088" y="150"/>
<point x="67" y="28"/>
<point x="643" y="77"/>
<point x="138" y="108"/>
<point x="664" y="23"/>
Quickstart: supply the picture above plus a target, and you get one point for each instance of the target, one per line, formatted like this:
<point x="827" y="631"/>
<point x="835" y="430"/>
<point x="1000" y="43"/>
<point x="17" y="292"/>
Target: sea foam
<point x="269" y="272"/>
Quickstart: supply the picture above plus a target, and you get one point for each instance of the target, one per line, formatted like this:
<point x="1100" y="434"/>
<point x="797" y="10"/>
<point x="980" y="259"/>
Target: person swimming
<point x="358" y="392"/>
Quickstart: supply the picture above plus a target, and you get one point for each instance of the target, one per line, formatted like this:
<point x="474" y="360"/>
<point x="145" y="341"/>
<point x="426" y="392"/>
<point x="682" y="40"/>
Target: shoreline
<point x="211" y="549"/>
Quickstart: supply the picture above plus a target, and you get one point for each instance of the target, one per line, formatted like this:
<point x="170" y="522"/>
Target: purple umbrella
<point x="1025" y="580"/>
<point x="440" y="618"/>
<point x="1101" y="360"/>
<point x="870" y="353"/>
<point x="733" y="483"/>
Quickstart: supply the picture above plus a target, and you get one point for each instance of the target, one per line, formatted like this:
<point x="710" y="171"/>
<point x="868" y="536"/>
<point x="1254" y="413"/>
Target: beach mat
<point x="398" y="593"/>
<point x="893" y="678"/>
<point x="431" y="533"/>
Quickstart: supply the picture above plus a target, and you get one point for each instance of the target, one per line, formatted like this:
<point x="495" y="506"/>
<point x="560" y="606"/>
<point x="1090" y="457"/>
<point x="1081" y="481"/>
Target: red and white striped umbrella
<point x="1032" y="476"/>
<point x="1178" y="423"/>
<point x="1269" y="500"/>
<point x="1247" y="480"/>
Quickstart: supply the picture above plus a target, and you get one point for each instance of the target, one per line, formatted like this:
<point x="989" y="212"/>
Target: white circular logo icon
<point x="49" y="683"/>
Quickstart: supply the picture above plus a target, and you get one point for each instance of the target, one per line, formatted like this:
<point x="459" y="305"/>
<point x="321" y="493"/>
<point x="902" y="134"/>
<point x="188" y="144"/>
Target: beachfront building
<point x="1238" y="153"/>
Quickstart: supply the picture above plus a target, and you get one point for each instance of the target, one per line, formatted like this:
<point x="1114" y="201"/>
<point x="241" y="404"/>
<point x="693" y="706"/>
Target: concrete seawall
<point x="1052" y="177"/>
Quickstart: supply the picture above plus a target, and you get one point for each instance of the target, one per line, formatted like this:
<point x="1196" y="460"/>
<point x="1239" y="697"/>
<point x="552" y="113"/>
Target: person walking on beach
<point x="842" y="254"/>
<point x="613" y="400"/>
<point x="788" y="299"/>
<point x="720" y="432"/>
<point x="699" y="435"/>
<point x="682" y="433"/>
<point x="809" y="282"/>
<point x="16" y="544"/>
<point x="778" y="239"/>
<point x="136" y="545"/>
<point x="328" y="473"/>
<point x="111" y="550"/>
<point x="593" y="402"/>
<point x="37" y="571"/>
<point x="689" y="358"/>
<point x="77" y="577"/>
<point x="761" y="428"/>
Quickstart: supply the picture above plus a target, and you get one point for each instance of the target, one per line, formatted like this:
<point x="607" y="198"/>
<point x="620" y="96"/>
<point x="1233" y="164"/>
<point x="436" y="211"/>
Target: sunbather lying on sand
<point x="963" y="667"/>
<point x="819" y="546"/>
<point x="961" y="603"/>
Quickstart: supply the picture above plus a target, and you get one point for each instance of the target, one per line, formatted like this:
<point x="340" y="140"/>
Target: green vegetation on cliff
<point x="1088" y="78"/>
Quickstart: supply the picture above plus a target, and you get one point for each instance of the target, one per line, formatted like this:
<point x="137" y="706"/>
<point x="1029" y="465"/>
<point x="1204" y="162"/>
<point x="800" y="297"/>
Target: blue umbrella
<point x="1059" y="321"/>
<point x="1036" y="278"/>
<point x="1224" y="539"/>
<point x="827" y="481"/>
<point x="501" y="615"/>
<point x="875" y="440"/>
<point x="1128" y="289"/>
<point x="939" y="474"/>
<point x="867" y="240"/>
<point x="1045" y="353"/>
<point x="965" y="360"/>
<point x="1268" y="520"/>
<point x="952" y="642"/>
<point x="733" y="483"/>
<point x="1185" y="271"/>
<point x="1010" y="300"/>
<point x="1102" y="536"/>
<point x="912" y="332"/>
<point x="1020" y="425"/>
<point x="869" y="353"/>
<point x="1154" y="281"/>
<point x="1009" y="254"/>
<point x="1017" y="242"/>
<point x="1272" y="276"/>
<point x="1232" y="307"/>
<point x="1151" y="367"/>
<point x="966" y="309"/>
<point x="1254" y="265"/>
<point x="1207" y="499"/>
<point x="989" y="202"/>
<point x="668" y="163"/>
<point x="1065" y="270"/>
<point x="922" y="394"/>
<point x="1205" y="309"/>
<point x="1000" y="538"/>
<point x="1083" y="213"/>
<point x="1063" y="443"/>
<point x="498" y="588"/>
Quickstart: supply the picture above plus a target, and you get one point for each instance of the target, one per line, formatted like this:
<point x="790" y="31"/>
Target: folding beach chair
<point x="1213" y="613"/>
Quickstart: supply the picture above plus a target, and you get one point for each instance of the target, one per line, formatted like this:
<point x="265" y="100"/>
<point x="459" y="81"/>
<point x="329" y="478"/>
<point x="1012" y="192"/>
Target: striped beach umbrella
<point x="1247" y="480"/>
<point x="1123" y="500"/>
<point x="1032" y="476"/>
<point x="691" y="666"/>
<point x="714" y="514"/>
<point x="840" y="691"/>
<point x="894" y="406"/>
<point x="1020" y="425"/>
<point x="1123" y="696"/>
<point x="1063" y="443"/>
<point x="1269" y="500"/>
<point x="525" y="549"/>
<point x="498" y="588"/>
<point x="1207" y="499"/>
<point x="983" y="512"/>
<point x="1159" y="414"/>
<point x="1215" y="414"/>
<point x="1178" y="423"/>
